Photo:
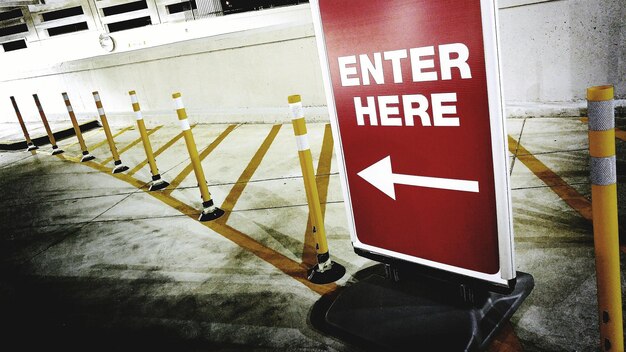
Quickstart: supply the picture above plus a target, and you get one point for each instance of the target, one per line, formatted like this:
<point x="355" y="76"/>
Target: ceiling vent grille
<point x="61" y="17"/>
<point x="188" y="10"/>
<point x="16" y="29"/>
<point x="119" y="15"/>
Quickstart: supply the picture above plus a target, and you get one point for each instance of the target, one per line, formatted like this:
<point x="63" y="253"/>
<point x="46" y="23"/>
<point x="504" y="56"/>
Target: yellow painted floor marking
<point x="278" y="260"/>
<point x="157" y="153"/>
<point x="619" y="133"/>
<point x="187" y="170"/>
<point x="574" y="199"/>
<point x="246" y="175"/>
<point x="132" y="144"/>
<point x="506" y="341"/>
<point x="309" y="254"/>
<point x="67" y="157"/>
<point x="76" y="143"/>
<point x="101" y="143"/>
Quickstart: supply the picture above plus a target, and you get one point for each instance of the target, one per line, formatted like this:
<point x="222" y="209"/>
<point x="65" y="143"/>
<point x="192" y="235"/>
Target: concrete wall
<point x="236" y="68"/>
<point x="553" y="51"/>
<point x="241" y="68"/>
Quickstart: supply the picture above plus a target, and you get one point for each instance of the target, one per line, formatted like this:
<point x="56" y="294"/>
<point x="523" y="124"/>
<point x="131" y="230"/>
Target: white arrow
<point x="381" y="177"/>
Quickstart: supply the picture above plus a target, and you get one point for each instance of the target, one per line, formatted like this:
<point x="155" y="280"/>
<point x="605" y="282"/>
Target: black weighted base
<point x="211" y="216"/>
<point x="87" y="157"/>
<point x="334" y="273"/>
<point x="119" y="168"/>
<point x="157" y="185"/>
<point x="381" y="314"/>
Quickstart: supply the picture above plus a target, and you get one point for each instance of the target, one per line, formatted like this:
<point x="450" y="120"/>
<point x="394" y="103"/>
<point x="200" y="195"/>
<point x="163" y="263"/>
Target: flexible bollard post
<point x="604" y="212"/>
<point x="157" y="182"/>
<point x="326" y="271"/>
<point x="209" y="210"/>
<point x="55" y="149"/>
<point x="79" y="134"/>
<point x="119" y="167"/>
<point x="29" y="144"/>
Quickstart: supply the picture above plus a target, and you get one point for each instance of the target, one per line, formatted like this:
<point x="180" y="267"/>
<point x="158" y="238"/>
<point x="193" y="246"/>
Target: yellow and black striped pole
<point x="209" y="210"/>
<point x="325" y="271"/>
<point x="44" y="119"/>
<point x="119" y="167"/>
<point x="29" y="144"/>
<point x="79" y="134"/>
<point x="157" y="182"/>
<point x="604" y="211"/>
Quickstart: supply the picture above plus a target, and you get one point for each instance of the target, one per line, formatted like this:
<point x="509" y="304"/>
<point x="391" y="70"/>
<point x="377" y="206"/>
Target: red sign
<point x="414" y="93"/>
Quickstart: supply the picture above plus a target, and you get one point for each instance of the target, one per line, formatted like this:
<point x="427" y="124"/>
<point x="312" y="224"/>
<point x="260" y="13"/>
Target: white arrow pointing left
<point x="380" y="176"/>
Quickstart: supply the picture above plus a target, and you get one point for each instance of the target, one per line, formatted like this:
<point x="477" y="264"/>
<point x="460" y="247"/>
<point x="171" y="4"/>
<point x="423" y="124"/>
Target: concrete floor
<point x="92" y="261"/>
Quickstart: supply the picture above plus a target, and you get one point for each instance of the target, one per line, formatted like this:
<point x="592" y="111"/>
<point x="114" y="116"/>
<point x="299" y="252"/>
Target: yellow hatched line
<point x="187" y="170"/>
<point x="76" y="143"/>
<point x="157" y="153"/>
<point x="288" y="266"/>
<point x="309" y="253"/>
<point x="132" y="144"/>
<point x="70" y="158"/>
<point x="246" y="175"/>
<point x="506" y="340"/>
<point x="101" y="143"/>
<point x="566" y="192"/>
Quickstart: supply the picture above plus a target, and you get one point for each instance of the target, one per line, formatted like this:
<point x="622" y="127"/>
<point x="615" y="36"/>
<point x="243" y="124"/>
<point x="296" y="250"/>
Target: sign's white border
<point x="499" y="151"/>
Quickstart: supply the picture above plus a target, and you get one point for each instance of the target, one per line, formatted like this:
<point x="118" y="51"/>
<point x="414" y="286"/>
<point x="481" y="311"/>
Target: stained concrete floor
<point x="92" y="261"/>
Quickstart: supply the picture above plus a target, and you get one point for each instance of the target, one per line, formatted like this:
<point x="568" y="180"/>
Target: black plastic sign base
<point x="332" y="274"/>
<point x="119" y="168"/>
<point x="212" y="215"/>
<point x="382" y="314"/>
<point x="157" y="185"/>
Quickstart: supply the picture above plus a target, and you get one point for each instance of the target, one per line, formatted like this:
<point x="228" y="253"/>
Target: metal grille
<point x="208" y="8"/>
<point x="188" y="10"/>
<point x="236" y="6"/>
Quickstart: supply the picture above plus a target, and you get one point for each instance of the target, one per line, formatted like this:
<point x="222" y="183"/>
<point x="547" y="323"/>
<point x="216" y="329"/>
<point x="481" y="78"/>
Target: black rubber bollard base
<point x="381" y="314"/>
<point x="119" y="168"/>
<point x="211" y="216"/>
<point x="334" y="273"/>
<point x="157" y="185"/>
<point x="57" y="151"/>
<point x="87" y="157"/>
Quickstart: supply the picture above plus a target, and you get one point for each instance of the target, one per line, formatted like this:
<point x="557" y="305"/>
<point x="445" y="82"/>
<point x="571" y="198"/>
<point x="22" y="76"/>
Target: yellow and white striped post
<point x="157" y="182"/>
<point x="604" y="212"/>
<point x="79" y="135"/>
<point x="325" y="271"/>
<point x="209" y="210"/>
<point x="29" y="144"/>
<point x="119" y="167"/>
<point x="44" y="119"/>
